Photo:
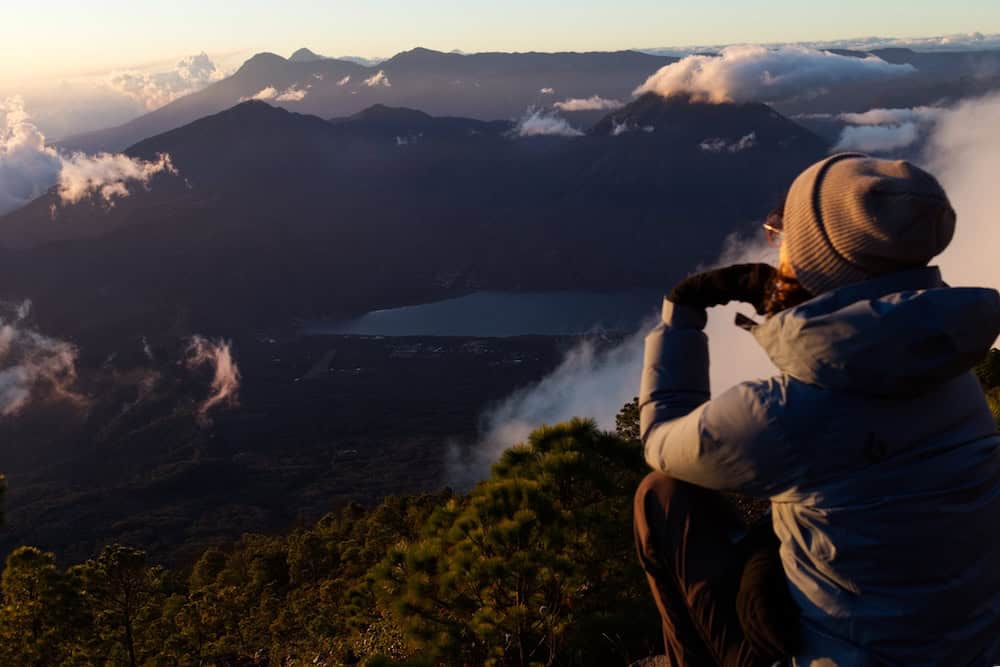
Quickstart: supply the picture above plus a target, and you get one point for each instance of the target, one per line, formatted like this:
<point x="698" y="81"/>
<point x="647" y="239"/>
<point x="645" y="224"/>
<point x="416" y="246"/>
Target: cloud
<point x="292" y="94"/>
<point x="885" y="130"/>
<point x="596" y="382"/>
<point x="154" y="90"/>
<point x="548" y="91"/>
<point x="719" y="145"/>
<point x="892" y="116"/>
<point x="594" y="103"/>
<point x="346" y="80"/>
<point x="756" y="73"/>
<point x="877" y="138"/>
<point x="267" y="93"/>
<point x="217" y="355"/>
<point x="537" y="123"/>
<point x="29" y="167"/>
<point x="963" y="151"/>
<point x="378" y="79"/>
<point x="106" y="175"/>
<point x="33" y="367"/>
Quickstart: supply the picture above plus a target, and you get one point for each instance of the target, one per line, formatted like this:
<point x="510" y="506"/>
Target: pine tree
<point x="42" y="614"/>
<point x="534" y="561"/>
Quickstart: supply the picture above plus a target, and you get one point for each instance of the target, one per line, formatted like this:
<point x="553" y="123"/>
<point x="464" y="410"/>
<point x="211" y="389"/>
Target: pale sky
<point x="66" y="38"/>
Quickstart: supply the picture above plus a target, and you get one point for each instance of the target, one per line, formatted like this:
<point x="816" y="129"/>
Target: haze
<point x="65" y="38"/>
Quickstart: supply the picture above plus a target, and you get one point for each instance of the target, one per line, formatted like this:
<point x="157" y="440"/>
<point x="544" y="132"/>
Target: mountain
<point x="483" y="86"/>
<point x="276" y="215"/>
<point x="304" y="55"/>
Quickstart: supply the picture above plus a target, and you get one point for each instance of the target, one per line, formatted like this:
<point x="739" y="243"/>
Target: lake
<point x="504" y="314"/>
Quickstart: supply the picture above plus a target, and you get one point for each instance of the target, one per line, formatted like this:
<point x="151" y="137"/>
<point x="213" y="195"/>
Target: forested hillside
<point x="534" y="566"/>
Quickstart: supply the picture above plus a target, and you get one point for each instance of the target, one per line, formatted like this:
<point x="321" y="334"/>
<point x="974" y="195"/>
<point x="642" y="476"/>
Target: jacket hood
<point x="899" y="334"/>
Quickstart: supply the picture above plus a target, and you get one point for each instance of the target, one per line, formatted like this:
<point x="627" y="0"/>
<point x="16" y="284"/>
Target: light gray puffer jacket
<point x="879" y="455"/>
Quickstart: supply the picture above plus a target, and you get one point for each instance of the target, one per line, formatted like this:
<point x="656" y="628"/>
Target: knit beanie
<point x="851" y="217"/>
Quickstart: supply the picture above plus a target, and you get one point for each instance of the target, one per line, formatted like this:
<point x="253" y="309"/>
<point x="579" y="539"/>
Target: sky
<point x="68" y="38"/>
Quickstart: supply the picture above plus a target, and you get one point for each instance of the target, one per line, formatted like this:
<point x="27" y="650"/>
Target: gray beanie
<point x="851" y="217"/>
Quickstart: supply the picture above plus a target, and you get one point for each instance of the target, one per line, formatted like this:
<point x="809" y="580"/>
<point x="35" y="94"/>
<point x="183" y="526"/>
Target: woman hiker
<point x="874" y="443"/>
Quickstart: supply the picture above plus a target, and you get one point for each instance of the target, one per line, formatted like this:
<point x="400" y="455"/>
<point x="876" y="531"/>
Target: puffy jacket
<point x="877" y="451"/>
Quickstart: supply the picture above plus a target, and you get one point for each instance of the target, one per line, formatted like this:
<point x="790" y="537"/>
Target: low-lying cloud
<point x="759" y="74"/>
<point x="154" y="90"/>
<point x="29" y="167"/>
<point x="596" y="382"/>
<point x="539" y="123"/>
<point x="291" y="94"/>
<point x="877" y="138"/>
<point x="379" y="79"/>
<point x="719" y="145"/>
<point x="886" y="130"/>
<point x="34" y="368"/>
<point x="593" y="103"/>
<point x="218" y="356"/>
<point x="963" y="151"/>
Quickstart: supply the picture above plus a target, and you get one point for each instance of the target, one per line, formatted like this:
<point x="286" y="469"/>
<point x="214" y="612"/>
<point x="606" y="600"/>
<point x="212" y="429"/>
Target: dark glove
<point x="740" y="282"/>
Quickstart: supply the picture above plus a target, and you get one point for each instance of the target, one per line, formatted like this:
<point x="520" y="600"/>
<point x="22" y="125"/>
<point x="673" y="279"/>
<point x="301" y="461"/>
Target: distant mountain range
<point x="488" y="86"/>
<point x="276" y="215"/>
<point x="485" y="86"/>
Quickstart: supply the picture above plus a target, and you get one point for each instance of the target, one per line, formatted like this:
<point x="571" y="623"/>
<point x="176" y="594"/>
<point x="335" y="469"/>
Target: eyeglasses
<point x="773" y="229"/>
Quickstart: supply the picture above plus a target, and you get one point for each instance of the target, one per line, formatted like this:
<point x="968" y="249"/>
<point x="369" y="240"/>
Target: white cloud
<point x="892" y="116"/>
<point x="267" y="93"/>
<point x="378" y="79"/>
<point x="719" y="145"/>
<point x="964" y="153"/>
<point x="33" y="367"/>
<point x="28" y="167"/>
<point x="593" y="103"/>
<point x="877" y="138"/>
<point x="218" y="355"/>
<point x="153" y="90"/>
<point x="292" y="94"/>
<point x="547" y="91"/>
<point x="106" y="175"/>
<point x="756" y="73"/>
<point x="536" y="123"/>
<point x="346" y="80"/>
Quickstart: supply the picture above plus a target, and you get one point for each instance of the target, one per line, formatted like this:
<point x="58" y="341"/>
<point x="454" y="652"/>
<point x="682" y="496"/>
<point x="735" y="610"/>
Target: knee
<point x="656" y="493"/>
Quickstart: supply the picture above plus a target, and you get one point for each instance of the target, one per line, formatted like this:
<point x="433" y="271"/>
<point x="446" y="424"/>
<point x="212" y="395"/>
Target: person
<point x="874" y="443"/>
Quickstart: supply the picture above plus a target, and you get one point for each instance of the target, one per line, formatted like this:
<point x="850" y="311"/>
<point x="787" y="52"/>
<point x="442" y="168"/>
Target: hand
<point x="740" y="282"/>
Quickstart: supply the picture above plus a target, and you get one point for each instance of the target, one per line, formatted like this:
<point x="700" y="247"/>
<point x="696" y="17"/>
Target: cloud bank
<point x="33" y="367"/>
<point x="154" y="90"/>
<point x="29" y="167"/>
<point x="877" y="138"/>
<point x="593" y="103"/>
<point x="225" y="386"/>
<point x="759" y="74"/>
<point x="538" y="123"/>
<point x="886" y="130"/>
<point x="964" y="153"/>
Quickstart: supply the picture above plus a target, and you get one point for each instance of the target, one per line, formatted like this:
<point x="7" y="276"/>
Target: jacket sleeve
<point x="728" y="443"/>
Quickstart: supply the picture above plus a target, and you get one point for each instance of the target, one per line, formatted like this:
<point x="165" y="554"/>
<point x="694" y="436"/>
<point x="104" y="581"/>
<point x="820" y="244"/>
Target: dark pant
<point x="721" y="604"/>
